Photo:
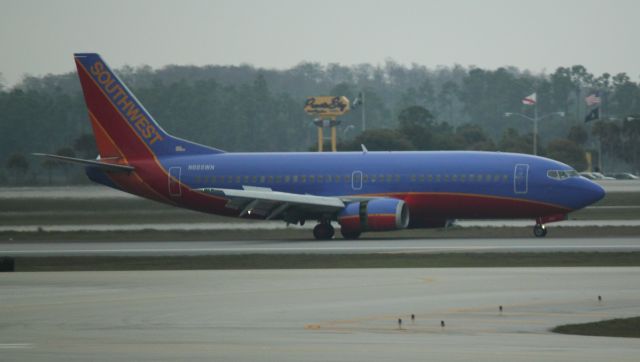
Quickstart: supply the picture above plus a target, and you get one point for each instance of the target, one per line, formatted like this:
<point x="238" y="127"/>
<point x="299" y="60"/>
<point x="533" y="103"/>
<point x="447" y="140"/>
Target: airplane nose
<point x="594" y="192"/>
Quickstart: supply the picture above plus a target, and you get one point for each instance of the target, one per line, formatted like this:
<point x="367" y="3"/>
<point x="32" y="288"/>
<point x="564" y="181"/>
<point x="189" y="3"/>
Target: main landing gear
<point x="540" y="231"/>
<point x="323" y="231"/>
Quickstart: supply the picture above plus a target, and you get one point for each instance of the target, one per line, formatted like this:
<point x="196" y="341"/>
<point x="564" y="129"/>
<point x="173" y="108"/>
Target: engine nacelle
<point x="374" y="215"/>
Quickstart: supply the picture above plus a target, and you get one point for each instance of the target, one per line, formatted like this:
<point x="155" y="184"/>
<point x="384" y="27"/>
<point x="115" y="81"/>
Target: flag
<point x="529" y="100"/>
<point x="593" y="99"/>
<point x="359" y="100"/>
<point x="593" y="115"/>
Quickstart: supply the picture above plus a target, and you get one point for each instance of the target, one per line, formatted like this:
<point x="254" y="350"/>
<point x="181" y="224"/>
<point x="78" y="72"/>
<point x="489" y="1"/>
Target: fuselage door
<point x="521" y="179"/>
<point x="174" y="181"/>
<point x="356" y="180"/>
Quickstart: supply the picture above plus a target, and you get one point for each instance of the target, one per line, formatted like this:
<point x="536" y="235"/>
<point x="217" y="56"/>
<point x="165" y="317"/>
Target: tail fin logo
<point x="126" y="106"/>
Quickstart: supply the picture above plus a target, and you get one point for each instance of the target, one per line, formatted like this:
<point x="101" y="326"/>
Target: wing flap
<point x="271" y="204"/>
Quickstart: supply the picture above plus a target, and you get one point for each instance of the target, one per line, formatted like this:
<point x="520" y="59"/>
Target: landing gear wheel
<point x="540" y="231"/>
<point x="323" y="231"/>
<point x="352" y="235"/>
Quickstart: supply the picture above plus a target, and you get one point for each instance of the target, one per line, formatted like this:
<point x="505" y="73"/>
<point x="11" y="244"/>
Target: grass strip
<point x="327" y="261"/>
<point x="622" y="327"/>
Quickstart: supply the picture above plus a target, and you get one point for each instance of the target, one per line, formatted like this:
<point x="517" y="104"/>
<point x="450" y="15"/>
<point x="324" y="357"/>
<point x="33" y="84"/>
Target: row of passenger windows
<point x="460" y="178"/>
<point x="275" y="179"/>
<point x="381" y="178"/>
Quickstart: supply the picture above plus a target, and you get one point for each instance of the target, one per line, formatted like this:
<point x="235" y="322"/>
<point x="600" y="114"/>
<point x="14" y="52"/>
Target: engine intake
<point x="383" y="214"/>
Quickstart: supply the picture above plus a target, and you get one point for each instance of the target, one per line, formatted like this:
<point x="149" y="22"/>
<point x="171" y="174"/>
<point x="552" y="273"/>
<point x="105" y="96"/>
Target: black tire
<point x="540" y="231"/>
<point x="323" y="232"/>
<point x="351" y="235"/>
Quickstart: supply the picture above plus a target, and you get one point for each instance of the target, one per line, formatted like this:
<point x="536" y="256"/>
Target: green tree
<point x="65" y="166"/>
<point x="380" y="139"/>
<point x="578" y="135"/>
<point x="567" y="151"/>
<point x="416" y="125"/>
<point x="472" y="137"/>
<point x="610" y="136"/>
<point x="18" y="165"/>
<point x="447" y="97"/>
<point x="85" y="146"/>
<point x="49" y="165"/>
<point x="512" y="141"/>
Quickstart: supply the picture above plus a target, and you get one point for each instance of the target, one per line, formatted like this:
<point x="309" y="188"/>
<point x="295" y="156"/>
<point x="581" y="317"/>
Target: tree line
<point x="243" y="108"/>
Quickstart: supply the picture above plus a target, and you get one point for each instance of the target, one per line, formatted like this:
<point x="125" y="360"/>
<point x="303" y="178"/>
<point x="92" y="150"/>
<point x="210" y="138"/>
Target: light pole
<point x="535" y="120"/>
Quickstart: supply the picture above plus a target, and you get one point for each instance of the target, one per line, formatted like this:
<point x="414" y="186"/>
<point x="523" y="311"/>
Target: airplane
<point x="361" y="191"/>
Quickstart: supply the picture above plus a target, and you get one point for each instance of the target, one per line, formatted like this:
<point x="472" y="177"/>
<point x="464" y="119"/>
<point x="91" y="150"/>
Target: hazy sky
<point x="39" y="37"/>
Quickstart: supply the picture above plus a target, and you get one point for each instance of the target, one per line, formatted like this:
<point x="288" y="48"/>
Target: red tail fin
<point x="122" y="126"/>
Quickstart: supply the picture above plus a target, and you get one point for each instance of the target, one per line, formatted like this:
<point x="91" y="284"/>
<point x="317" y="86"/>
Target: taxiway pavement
<point x="315" y="315"/>
<point x="338" y="246"/>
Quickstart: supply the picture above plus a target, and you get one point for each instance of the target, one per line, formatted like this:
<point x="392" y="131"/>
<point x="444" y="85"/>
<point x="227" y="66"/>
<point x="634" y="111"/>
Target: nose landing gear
<point x="540" y="230"/>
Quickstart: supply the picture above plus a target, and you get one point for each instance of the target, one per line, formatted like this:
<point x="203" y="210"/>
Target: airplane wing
<point x="270" y="204"/>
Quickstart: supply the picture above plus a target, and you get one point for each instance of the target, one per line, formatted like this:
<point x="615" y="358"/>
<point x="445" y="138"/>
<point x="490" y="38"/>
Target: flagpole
<point x="601" y="105"/>
<point x="535" y="128"/>
<point x="364" y="123"/>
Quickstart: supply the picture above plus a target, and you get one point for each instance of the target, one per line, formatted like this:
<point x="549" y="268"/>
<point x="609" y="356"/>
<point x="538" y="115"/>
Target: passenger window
<point x="421" y="178"/>
<point x="347" y="179"/>
<point x="463" y="178"/>
<point x="320" y="179"/>
<point x="337" y="178"/>
<point x="287" y="178"/>
<point x="278" y="179"/>
<point x="270" y="178"/>
<point x="312" y="179"/>
<point x="295" y="179"/>
<point x="454" y="178"/>
<point x="246" y="179"/>
<point x="262" y="179"/>
<point x="303" y="179"/>
<point x="413" y="178"/>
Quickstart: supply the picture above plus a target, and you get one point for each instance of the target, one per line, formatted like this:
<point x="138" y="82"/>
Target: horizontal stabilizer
<point x="113" y="167"/>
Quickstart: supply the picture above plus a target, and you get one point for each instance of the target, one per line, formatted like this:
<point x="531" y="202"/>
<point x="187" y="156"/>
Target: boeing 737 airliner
<point x="361" y="191"/>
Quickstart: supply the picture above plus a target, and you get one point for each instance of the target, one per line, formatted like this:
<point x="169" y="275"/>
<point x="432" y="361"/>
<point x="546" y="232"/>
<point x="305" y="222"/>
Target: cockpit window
<point x="562" y="174"/>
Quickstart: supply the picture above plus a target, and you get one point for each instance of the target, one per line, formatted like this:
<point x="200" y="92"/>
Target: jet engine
<point x="384" y="214"/>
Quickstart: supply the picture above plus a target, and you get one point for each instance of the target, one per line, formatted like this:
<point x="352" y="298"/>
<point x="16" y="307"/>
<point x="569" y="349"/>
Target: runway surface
<point x="280" y="225"/>
<point x="339" y="246"/>
<point x="315" y="315"/>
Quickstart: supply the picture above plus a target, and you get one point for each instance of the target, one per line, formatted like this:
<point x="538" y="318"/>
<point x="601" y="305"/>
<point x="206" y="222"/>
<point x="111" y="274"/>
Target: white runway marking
<point x="16" y="345"/>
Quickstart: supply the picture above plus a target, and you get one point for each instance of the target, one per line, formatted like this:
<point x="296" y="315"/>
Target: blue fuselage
<point x="430" y="179"/>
